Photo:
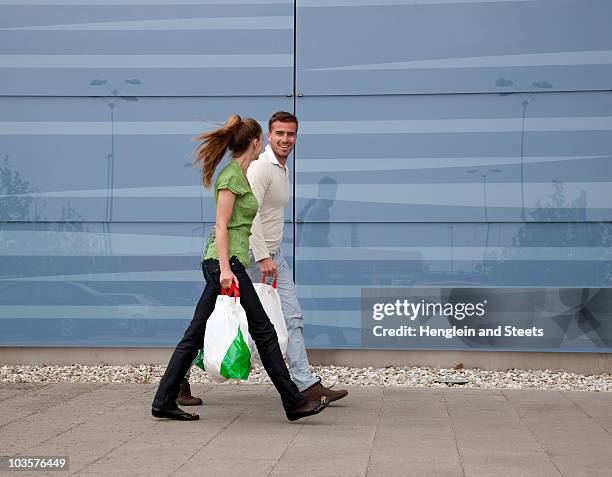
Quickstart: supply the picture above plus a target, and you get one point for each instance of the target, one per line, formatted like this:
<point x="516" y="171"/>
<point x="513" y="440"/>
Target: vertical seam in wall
<point x="293" y="225"/>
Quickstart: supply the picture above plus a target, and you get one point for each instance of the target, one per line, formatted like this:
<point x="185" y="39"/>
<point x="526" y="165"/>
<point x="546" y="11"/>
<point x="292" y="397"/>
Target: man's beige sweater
<point x="270" y="184"/>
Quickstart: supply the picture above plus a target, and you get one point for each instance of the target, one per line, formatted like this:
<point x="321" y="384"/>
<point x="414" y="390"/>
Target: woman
<point x="224" y="263"/>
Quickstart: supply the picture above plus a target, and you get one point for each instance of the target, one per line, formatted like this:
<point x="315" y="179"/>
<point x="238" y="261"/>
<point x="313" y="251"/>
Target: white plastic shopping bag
<point x="268" y="295"/>
<point x="226" y="353"/>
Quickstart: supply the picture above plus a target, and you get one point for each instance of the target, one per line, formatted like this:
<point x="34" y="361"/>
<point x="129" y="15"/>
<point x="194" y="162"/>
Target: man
<point x="269" y="179"/>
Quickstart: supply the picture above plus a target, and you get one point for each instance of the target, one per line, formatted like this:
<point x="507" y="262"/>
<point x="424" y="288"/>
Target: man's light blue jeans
<point x="296" y="349"/>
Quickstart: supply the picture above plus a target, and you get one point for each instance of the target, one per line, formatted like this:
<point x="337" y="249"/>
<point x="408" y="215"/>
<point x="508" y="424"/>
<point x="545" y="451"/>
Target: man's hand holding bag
<point x="270" y="299"/>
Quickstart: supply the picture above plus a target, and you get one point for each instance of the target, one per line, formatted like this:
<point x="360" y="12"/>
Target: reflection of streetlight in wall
<point x="484" y="175"/>
<point x="484" y="185"/>
<point x="524" y="99"/>
<point x="452" y="247"/>
<point x="112" y="102"/>
<point x="114" y="91"/>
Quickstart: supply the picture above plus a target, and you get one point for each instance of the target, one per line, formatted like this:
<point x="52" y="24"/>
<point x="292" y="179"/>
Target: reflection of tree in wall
<point x="582" y="302"/>
<point x="14" y="205"/>
<point x="570" y="230"/>
<point x="18" y="206"/>
<point x="75" y="236"/>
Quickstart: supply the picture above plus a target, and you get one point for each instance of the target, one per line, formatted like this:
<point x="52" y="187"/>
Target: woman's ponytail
<point x="234" y="135"/>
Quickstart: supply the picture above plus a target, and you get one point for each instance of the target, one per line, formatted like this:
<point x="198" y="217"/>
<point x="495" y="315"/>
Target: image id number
<point x="34" y="463"/>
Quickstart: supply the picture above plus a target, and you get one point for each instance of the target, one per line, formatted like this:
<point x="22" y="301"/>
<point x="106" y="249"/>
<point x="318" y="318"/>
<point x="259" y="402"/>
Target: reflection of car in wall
<point x="329" y="290"/>
<point x="138" y="310"/>
<point x="73" y="310"/>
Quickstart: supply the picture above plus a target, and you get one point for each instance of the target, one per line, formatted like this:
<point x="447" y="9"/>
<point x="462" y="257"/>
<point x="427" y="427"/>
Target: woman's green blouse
<point x="232" y="178"/>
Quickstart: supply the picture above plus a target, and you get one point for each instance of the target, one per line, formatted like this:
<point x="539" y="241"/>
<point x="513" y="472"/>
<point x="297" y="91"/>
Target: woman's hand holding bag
<point x="226" y="354"/>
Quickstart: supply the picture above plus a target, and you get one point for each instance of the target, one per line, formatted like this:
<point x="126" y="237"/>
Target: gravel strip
<point x="389" y="376"/>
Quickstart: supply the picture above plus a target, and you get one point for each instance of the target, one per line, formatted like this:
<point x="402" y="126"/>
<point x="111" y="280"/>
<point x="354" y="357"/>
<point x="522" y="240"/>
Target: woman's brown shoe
<point x="185" y="398"/>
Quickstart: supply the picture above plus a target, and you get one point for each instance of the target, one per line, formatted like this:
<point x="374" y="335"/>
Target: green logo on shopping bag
<point x="199" y="361"/>
<point x="237" y="361"/>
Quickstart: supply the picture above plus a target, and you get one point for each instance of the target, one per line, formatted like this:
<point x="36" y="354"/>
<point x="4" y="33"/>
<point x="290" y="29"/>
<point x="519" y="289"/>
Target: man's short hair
<point x="284" y="117"/>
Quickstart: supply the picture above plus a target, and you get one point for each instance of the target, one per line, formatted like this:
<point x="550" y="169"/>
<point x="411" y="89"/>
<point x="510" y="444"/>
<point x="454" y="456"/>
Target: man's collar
<point x="269" y="155"/>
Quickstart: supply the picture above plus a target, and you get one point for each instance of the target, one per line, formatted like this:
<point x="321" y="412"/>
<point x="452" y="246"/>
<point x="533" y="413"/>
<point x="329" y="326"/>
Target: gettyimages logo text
<point x="413" y="310"/>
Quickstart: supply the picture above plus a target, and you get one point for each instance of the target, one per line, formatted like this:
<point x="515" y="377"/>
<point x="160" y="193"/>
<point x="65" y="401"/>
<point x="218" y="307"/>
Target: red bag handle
<point x="263" y="280"/>
<point x="231" y="290"/>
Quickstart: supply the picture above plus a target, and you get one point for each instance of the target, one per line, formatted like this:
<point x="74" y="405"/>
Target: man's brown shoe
<point x="309" y="409"/>
<point x="317" y="390"/>
<point x="185" y="398"/>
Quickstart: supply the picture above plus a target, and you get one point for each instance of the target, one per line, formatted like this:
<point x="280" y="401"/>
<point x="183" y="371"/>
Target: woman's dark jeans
<point x="260" y="328"/>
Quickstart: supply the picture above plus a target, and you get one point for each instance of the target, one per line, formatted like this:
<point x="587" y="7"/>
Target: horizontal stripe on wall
<point x="362" y="3"/>
<point x="593" y="123"/>
<point x="216" y="23"/>
<point x="562" y="58"/>
<point x="337" y="164"/>
<point x="142" y="2"/>
<point x="145" y="61"/>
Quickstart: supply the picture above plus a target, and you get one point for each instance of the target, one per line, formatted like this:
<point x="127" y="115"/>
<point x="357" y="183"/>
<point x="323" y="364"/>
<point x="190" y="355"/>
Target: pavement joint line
<point x="153" y="424"/>
<point x="452" y="426"/>
<point x="382" y="399"/>
<point x="113" y="449"/>
<point x="50" y="407"/>
<point x="75" y="426"/>
<point x="246" y="408"/>
<point x="286" y="449"/>
<point x="48" y="439"/>
<point x="576" y="405"/>
<point x="540" y="445"/>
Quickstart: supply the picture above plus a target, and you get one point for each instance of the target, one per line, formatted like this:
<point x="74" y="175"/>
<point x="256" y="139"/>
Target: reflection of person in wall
<point x="225" y="258"/>
<point x="269" y="179"/>
<point x="317" y="210"/>
<point x="314" y="232"/>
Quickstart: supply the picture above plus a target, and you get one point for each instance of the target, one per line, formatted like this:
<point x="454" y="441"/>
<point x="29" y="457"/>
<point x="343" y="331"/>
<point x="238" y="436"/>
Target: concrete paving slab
<point x="10" y="390"/>
<point x="164" y="446"/>
<point x="405" y="454"/>
<point x="107" y="430"/>
<point x="53" y="422"/>
<point x="571" y="468"/>
<point x="231" y="464"/>
<point x="96" y="438"/>
<point x="596" y="408"/>
<point x="573" y="440"/>
<point x="494" y="462"/>
<point x="433" y="468"/>
<point x="34" y="400"/>
<point x="310" y="459"/>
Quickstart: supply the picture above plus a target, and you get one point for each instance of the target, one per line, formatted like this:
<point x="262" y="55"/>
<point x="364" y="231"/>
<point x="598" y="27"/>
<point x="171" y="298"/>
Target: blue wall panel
<point x="438" y="158"/>
<point x="199" y="48"/>
<point x="409" y="46"/>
